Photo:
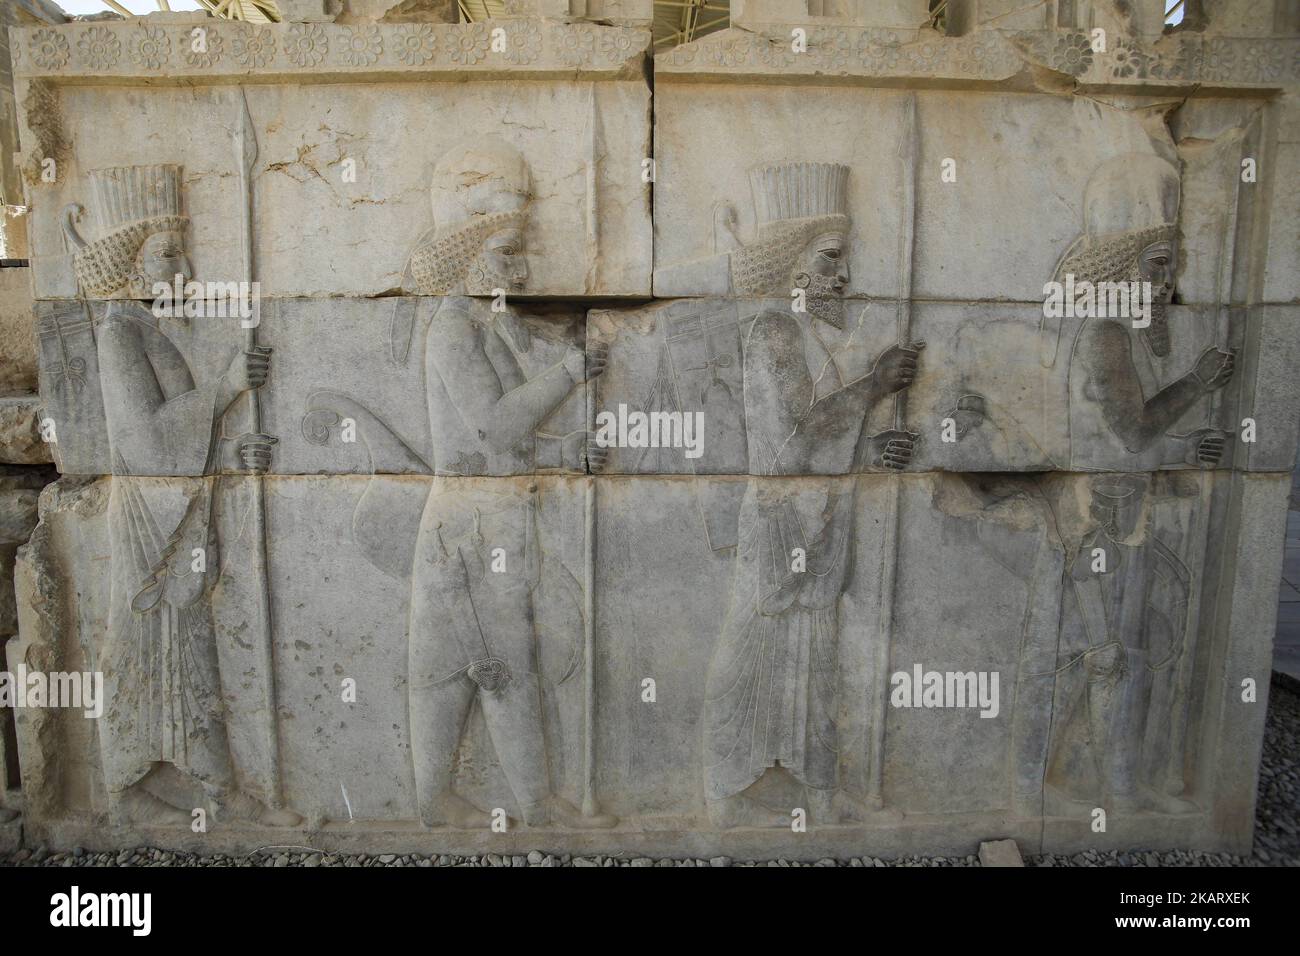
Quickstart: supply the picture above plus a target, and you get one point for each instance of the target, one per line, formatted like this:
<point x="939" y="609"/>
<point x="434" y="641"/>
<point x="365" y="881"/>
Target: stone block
<point x="315" y="152"/>
<point x="364" y="361"/>
<point x="1000" y="853"/>
<point x="847" y="509"/>
<point x="17" y="332"/>
<point x="928" y="718"/>
<point x="20" y="432"/>
<point x="681" y="391"/>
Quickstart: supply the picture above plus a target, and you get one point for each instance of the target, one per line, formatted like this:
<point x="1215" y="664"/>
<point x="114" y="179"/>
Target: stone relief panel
<point x="335" y="360"/>
<point x="997" y="388"/>
<point x="1075" y="612"/>
<point x="331" y="175"/>
<point x="1036" y="174"/>
<point x="472" y="722"/>
<point x="850" y="527"/>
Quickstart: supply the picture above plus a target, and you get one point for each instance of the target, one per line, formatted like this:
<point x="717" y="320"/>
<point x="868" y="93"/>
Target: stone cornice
<point x="846" y="54"/>
<point x="145" y="50"/>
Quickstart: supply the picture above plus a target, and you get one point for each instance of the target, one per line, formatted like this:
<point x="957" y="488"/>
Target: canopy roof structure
<point x="675" y="21"/>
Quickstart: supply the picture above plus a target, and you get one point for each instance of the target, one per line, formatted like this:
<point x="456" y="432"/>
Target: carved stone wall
<point x="759" y="465"/>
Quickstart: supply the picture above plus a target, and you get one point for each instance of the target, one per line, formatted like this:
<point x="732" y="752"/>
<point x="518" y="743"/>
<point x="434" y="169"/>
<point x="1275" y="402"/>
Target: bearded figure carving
<point x="1123" y="628"/>
<point x="165" y="725"/>
<point x="790" y="217"/>
<point x="1119" y="412"/>
<point x="138" y="208"/>
<point x="479" y="195"/>
<point x="771" y="706"/>
<point x="472" y="637"/>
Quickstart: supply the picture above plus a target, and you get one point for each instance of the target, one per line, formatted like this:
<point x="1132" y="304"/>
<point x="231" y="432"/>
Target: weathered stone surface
<point x="993" y="391"/>
<point x="17" y="332"/>
<point x="1121" y="17"/>
<point x="1000" y="853"/>
<point x="947" y="561"/>
<point x="756" y="14"/>
<point x="311" y="11"/>
<point x="368" y="361"/>
<point x="333" y="539"/>
<point x="1047" y="176"/>
<point x="323" y="157"/>
<point x="20" y="432"/>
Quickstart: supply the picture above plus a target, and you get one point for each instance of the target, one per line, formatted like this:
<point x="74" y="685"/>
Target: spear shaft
<point x="246" y="156"/>
<point x="908" y="152"/>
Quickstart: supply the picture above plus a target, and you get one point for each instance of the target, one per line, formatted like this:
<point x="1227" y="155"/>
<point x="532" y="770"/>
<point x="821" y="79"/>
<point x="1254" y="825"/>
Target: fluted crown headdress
<point x="799" y="191"/>
<point x="129" y="203"/>
<point x="484" y="178"/>
<point x="793" y="204"/>
<point x="1131" y="193"/>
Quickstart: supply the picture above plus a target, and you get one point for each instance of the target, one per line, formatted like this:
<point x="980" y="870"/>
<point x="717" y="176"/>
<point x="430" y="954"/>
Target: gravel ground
<point x="1277" y="817"/>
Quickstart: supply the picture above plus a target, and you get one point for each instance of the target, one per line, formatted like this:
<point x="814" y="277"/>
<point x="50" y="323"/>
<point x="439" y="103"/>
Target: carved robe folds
<point x="771" y="695"/>
<point x="159" y="655"/>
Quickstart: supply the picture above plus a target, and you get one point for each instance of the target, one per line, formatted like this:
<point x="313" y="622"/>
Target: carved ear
<point x="725" y="238"/>
<point x="136" y="284"/>
<point x="402" y="328"/>
<point x="71" y="213"/>
<point x="802" y="280"/>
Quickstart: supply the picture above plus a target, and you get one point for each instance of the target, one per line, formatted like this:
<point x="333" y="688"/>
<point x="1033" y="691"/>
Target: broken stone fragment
<point x="20" y="431"/>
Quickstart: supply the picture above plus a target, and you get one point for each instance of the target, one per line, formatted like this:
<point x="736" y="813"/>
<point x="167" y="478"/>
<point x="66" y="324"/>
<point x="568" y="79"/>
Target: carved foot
<point x="740" y="811"/>
<point x="1058" y="804"/>
<point x="838" y="808"/>
<point x="560" y="812"/>
<point x="241" y="806"/>
<point x="138" y="806"/>
<point x="1152" y="801"/>
<point x="279" y="818"/>
<point x="449" y="809"/>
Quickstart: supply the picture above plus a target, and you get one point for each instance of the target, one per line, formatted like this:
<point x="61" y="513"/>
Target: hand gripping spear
<point x="908" y="154"/>
<point x="245" y="156"/>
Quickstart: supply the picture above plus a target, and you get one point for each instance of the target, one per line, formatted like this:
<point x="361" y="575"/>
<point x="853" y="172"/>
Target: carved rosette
<point x="988" y="55"/>
<point x="125" y="49"/>
<point x="305" y="45"/>
<point x="205" y="51"/>
<point x="49" y="50"/>
<point x="361" y="46"/>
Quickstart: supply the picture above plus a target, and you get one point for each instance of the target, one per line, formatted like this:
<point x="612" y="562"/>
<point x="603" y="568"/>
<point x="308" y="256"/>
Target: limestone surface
<point x="870" y="438"/>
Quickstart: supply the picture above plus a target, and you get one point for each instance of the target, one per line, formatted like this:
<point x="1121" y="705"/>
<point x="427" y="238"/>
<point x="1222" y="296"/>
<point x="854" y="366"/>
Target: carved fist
<point x="255" y="452"/>
<point x="584" y="366"/>
<point x="896" y="367"/>
<point x="1205" y="447"/>
<point x="892" y="449"/>
<point x="1214" y="368"/>
<point x="580" y="445"/>
<point x="249" y="369"/>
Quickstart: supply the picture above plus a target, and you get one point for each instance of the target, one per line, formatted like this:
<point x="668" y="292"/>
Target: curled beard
<point x="482" y="279"/>
<point x="1157" y="333"/>
<point x="824" y="300"/>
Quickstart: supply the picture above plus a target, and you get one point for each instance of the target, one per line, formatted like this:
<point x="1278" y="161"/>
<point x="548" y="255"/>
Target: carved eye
<point x="832" y="254"/>
<point x="506" y="250"/>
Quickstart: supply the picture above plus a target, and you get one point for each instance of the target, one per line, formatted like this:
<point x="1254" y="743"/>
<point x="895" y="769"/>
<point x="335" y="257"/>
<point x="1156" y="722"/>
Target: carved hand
<point x="578" y="445"/>
<point x="584" y="366"/>
<point x="249" y="369"/>
<point x="255" y="452"/>
<point x="896" y="367"/>
<point x="1214" y="368"/>
<point x="892" y="449"/>
<point x="1205" y="447"/>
